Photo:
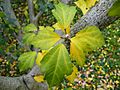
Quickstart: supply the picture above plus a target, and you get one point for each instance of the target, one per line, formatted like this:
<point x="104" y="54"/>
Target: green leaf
<point x="30" y="28"/>
<point x="64" y="15"/>
<point x="26" y="60"/>
<point x="86" y="40"/>
<point x="46" y="28"/>
<point x="85" y="5"/>
<point x="45" y="39"/>
<point x="2" y="14"/>
<point x="90" y="38"/>
<point x="55" y="64"/>
<point x="28" y="38"/>
<point x="114" y="11"/>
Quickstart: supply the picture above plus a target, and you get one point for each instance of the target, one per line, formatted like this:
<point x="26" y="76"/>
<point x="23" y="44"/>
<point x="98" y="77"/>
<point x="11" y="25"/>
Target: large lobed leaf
<point x="85" y="5"/>
<point x="86" y="40"/>
<point x="114" y="11"/>
<point x="77" y="53"/>
<point x="64" y="15"/>
<point x="26" y="60"/>
<point x="55" y="64"/>
<point x="45" y="39"/>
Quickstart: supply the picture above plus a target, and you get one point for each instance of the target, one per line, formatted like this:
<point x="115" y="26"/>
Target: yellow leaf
<point x="85" y="5"/>
<point x="90" y="3"/>
<point x="76" y="52"/>
<point x="56" y="26"/>
<point x="73" y="75"/>
<point x="68" y="30"/>
<point x="40" y="56"/>
<point x="39" y="78"/>
<point x="82" y="5"/>
<point x="85" y="41"/>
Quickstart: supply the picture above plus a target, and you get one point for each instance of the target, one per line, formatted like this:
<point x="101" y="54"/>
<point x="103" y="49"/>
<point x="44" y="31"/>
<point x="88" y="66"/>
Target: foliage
<point x="55" y="64"/>
<point x="73" y="75"/>
<point x="26" y="60"/>
<point x="114" y="11"/>
<point x="102" y="68"/>
<point x="30" y="28"/>
<point x="43" y="37"/>
<point x="39" y="78"/>
<point x="54" y="68"/>
<point x="86" y="40"/>
<point x="64" y="15"/>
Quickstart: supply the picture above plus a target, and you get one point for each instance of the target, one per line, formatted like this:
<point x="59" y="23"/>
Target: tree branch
<point x="65" y="1"/>
<point x="9" y="12"/>
<point x="33" y="18"/>
<point x="31" y="10"/>
<point x="25" y="82"/>
<point x="36" y="18"/>
<point x="96" y="16"/>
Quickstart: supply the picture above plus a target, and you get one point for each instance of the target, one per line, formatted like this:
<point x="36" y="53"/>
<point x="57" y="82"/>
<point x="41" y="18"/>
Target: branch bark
<point x="96" y="16"/>
<point x="9" y="12"/>
<point x="65" y="1"/>
<point x="25" y="82"/>
<point x="31" y="10"/>
<point x="33" y="18"/>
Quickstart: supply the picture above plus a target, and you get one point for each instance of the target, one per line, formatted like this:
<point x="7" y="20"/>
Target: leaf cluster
<point x="56" y="63"/>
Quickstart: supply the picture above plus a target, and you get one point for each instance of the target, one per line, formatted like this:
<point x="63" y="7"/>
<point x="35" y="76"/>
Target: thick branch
<point x="96" y="16"/>
<point x="9" y="12"/>
<point x="25" y="82"/>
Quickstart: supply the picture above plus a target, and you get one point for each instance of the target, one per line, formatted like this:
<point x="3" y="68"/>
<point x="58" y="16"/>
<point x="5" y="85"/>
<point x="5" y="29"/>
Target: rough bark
<point x="21" y="83"/>
<point x="25" y="82"/>
<point x="96" y="16"/>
